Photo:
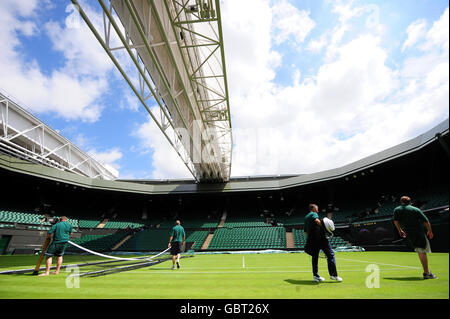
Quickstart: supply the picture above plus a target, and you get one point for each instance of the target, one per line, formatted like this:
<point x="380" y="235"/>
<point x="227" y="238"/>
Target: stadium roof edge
<point x="238" y="184"/>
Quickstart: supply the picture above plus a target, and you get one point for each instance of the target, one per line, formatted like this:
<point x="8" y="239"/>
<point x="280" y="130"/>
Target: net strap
<point x="113" y="257"/>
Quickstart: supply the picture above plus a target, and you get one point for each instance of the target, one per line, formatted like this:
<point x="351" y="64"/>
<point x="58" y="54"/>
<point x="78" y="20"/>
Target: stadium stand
<point x="198" y="238"/>
<point x="82" y="223"/>
<point x="98" y="242"/>
<point x="4" y="243"/>
<point x="21" y="217"/>
<point x="147" y="240"/>
<point x="242" y="230"/>
<point x="243" y="221"/>
<point x="300" y="240"/>
<point x="249" y="238"/>
<point x="122" y="224"/>
<point x="198" y="223"/>
<point x="291" y="218"/>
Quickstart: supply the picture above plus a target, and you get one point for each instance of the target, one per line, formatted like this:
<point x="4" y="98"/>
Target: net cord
<point x="113" y="257"/>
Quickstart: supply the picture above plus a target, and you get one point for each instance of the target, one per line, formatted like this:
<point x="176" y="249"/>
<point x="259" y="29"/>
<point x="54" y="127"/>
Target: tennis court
<point x="235" y="276"/>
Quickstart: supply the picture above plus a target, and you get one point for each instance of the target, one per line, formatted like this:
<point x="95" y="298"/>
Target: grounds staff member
<point x="316" y="241"/>
<point x="176" y="242"/>
<point x="61" y="233"/>
<point x="412" y="224"/>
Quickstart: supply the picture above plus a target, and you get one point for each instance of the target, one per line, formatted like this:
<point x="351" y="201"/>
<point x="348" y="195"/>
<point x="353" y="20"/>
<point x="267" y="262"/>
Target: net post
<point x="41" y="257"/>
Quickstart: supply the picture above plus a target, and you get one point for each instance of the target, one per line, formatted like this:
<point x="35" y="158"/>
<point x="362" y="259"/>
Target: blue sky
<point x="318" y="84"/>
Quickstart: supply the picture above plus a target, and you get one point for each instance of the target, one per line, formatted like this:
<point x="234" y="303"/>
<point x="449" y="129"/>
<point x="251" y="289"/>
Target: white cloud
<point x="316" y="45"/>
<point x="354" y="106"/>
<point x="415" y="31"/>
<point x="130" y="102"/>
<point x="438" y="35"/>
<point x="107" y="157"/>
<point x="289" y="21"/>
<point x="70" y="91"/>
<point x="166" y="162"/>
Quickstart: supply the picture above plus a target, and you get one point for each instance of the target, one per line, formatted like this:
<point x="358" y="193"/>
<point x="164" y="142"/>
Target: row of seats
<point x="98" y="242"/>
<point x="249" y="238"/>
<point x="88" y="223"/>
<point x="234" y="221"/>
<point x="436" y="198"/>
<point x="147" y="240"/>
<point x="20" y="217"/>
<point x="300" y="240"/>
<point x="199" y="223"/>
<point x="122" y="225"/>
<point x="31" y="219"/>
<point x="198" y="238"/>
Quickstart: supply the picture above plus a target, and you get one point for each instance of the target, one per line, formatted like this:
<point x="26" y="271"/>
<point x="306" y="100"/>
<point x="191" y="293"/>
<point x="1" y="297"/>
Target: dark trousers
<point x="326" y="248"/>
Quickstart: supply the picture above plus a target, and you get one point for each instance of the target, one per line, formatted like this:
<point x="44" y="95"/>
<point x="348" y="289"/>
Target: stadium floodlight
<point x="175" y="58"/>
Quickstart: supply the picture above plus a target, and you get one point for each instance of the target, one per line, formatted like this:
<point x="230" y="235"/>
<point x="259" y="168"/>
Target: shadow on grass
<point x="404" y="278"/>
<point x="28" y="274"/>
<point x="162" y="268"/>
<point x="307" y="282"/>
<point x="301" y="282"/>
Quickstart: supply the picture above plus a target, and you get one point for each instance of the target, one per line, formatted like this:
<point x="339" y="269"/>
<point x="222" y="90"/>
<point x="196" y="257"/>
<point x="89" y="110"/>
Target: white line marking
<point x="268" y="267"/>
<point x="374" y="262"/>
<point x="240" y="272"/>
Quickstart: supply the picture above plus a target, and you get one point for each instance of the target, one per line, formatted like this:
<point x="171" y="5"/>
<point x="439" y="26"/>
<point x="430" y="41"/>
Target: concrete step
<point x="102" y="224"/>
<point x="207" y="241"/>
<point x="121" y="242"/>
<point x="289" y="240"/>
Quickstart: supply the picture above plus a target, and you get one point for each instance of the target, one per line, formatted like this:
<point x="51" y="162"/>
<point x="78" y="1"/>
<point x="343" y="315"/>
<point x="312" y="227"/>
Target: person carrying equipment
<point x="61" y="233"/>
<point x="316" y="240"/>
<point x="176" y="242"/>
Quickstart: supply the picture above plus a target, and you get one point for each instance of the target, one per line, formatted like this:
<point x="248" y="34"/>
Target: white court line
<point x="239" y="272"/>
<point x="374" y="262"/>
<point x="268" y="267"/>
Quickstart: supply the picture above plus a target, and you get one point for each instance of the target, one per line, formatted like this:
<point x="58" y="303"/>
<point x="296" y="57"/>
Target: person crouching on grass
<point x="61" y="233"/>
<point x="412" y="224"/>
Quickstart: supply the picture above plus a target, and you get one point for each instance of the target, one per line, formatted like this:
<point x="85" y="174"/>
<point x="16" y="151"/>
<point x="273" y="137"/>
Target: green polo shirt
<point x="309" y="220"/>
<point x="177" y="233"/>
<point x="411" y="220"/>
<point x="61" y="232"/>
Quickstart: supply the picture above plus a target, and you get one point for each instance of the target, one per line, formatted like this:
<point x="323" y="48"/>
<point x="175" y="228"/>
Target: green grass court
<point x="223" y="276"/>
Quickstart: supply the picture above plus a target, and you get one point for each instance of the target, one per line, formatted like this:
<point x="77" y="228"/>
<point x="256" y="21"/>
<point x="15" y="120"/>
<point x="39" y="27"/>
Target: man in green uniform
<point x="61" y="233"/>
<point x="412" y="224"/>
<point x="176" y="242"/>
<point x="316" y="240"/>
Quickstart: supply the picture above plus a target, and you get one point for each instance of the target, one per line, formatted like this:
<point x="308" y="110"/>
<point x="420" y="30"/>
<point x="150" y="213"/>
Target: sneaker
<point x="178" y="264"/>
<point x="318" y="279"/>
<point x="173" y="267"/>
<point x="337" y="278"/>
<point x="429" y="276"/>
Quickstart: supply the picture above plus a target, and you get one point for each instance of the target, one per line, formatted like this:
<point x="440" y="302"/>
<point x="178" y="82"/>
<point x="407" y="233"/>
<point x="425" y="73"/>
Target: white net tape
<point x="113" y="257"/>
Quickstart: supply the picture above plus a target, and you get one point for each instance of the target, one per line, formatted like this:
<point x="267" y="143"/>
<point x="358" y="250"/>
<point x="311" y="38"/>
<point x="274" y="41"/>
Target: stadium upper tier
<point x="24" y="136"/>
<point x="365" y="166"/>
